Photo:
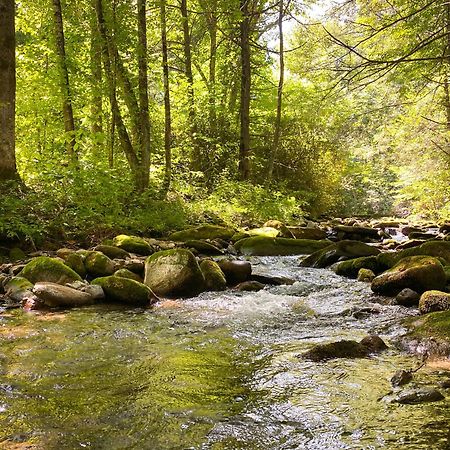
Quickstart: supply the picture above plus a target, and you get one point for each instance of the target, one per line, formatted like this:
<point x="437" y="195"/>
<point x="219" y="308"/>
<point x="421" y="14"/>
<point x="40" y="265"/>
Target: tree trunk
<point x="69" y="122"/>
<point x="244" y="145"/>
<point x="144" y="150"/>
<point x="167" y="112"/>
<point x="276" y="138"/>
<point x="212" y="26"/>
<point x="8" y="169"/>
<point x="96" y="80"/>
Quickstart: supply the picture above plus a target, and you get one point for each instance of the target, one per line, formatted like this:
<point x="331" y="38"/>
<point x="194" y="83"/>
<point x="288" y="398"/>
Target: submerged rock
<point x="48" y="269"/>
<point x="214" y="277"/>
<point x="420" y="273"/>
<point x="174" y="273"/>
<point x="433" y="301"/>
<point x="416" y="396"/>
<point x="266" y="246"/>
<point x="133" y="244"/>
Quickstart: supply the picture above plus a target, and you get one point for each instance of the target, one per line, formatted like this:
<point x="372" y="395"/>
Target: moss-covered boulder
<point x="125" y="290"/>
<point x="308" y="233"/>
<point x="433" y="301"/>
<point x="265" y="246"/>
<point x="55" y="295"/>
<point x="17" y="254"/>
<point x="264" y="231"/>
<point x="133" y="244"/>
<point x="351" y="267"/>
<point x="339" y="250"/>
<point x="203" y="232"/>
<point x="76" y="262"/>
<point x="365" y="275"/>
<point x="356" y="232"/>
<point x="113" y="252"/>
<point x="235" y="270"/>
<point x="281" y="227"/>
<point x="204" y="247"/>
<point x="48" y="269"/>
<point x="125" y="273"/>
<point x="420" y="273"/>
<point x="174" y="273"/>
<point x="99" y="265"/>
<point x="214" y="277"/>
<point x="18" y="288"/>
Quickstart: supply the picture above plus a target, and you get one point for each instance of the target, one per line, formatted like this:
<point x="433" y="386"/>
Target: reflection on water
<point x="221" y="372"/>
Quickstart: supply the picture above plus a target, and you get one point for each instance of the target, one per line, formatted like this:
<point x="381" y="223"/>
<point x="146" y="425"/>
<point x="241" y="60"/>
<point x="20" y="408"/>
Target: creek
<point x="222" y="371"/>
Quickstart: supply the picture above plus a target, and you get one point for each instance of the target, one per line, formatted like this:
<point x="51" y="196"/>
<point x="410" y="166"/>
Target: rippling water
<point x="221" y="371"/>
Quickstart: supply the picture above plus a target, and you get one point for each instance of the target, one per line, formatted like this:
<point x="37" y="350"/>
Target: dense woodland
<point x="145" y="116"/>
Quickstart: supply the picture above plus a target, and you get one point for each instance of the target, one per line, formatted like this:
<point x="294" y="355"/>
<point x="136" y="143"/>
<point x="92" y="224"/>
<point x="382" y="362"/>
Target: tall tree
<point x="69" y="122"/>
<point x="8" y="169"/>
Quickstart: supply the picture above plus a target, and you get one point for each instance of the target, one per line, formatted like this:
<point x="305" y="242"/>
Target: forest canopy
<point x="144" y="115"/>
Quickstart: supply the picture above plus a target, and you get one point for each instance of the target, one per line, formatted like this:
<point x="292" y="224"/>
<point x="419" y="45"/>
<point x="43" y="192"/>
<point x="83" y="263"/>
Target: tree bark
<point x="8" y="169"/>
<point x="244" y="145"/>
<point x="276" y="138"/>
<point x="96" y="80"/>
<point x="212" y="27"/>
<point x="69" y="122"/>
<point x="144" y="150"/>
<point x="167" y="110"/>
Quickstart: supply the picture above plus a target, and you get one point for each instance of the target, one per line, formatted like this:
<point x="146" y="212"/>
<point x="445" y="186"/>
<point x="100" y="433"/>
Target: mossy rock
<point x="17" y="254"/>
<point x="214" y="277"/>
<point x="48" y="269"/>
<point x="308" y="233"/>
<point x="99" y="265"/>
<point x="204" y="247"/>
<point x="264" y="246"/>
<point x="113" y="252"/>
<point x="447" y="273"/>
<point x="17" y="288"/>
<point x="281" y="227"/>
<point x="351" y="267"/>
<point x="419" y="273"/>
<point x="265" y="231"/>
<point x="76" y="262"/>
<point x="365" y="232"/>
<point x="174" y="273"/>
<point x="338" y="250"/>
<point x="239" y="235"/>
<point x="133" y="244"/>
<point x="203" y="232"/>
<point x="432" y="301"/>
<point x="125" y="290"/>
<point x="125" y="273"/>
<point x="365" y="275"/>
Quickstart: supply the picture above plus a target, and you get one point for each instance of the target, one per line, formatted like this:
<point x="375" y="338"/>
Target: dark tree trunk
<point x="8" y="169"/>
<point x="96" y="80"/>
<point x="167" y="112"/>
<point x="212" y="26"/>
<point x="69" y="122"/>
<point x="276" y="138"/>
<point x="244" y="146"/>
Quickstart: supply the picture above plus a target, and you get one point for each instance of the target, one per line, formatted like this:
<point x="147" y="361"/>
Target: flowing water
<point x="220" y="371"/>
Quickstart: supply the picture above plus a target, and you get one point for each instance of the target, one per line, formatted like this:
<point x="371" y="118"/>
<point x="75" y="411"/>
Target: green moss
<point x="204" y="247"/>
<point x="133" y="244"/>
<point x="112" y="251"/>
<point x="53" y="270"/>
<point x="351" y="267"/>
<point x="264" y="246"/>
<point x="17" y="254"/>
<point x="203" y="232"/>
<point x="99" y="265"/>
<point x="214" y="277"/>
<point x="125" y="273"/>
<point x="269" y="232"/>
<point x="125" y="290"/>
<point x="76" y="262"/>
<point x="435" y="324"/>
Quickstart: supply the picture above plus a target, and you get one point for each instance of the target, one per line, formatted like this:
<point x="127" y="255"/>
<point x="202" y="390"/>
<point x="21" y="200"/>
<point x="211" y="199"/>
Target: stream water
<point x="220" y="371"/>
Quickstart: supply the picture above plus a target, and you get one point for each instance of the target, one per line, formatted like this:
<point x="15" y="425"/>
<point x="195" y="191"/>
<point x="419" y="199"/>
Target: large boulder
<point x="235" y="270"/>
<point x="203" y="232"/>
<point x="351" y="267"/>
<point x="133" y="244"/>
<point x="308" y="233"/>
<point x="125" y="290"/>
<point x="433" y="301"/>
<point x="265" y="246"/>
<point x="214" y="277"/>
<point x="266" y="232"/>
<point x="419" y="273"/>
<point x="54" y="295"/>
<point x="76" y="262"/>
<point x="99" y="265"/>
<point x="174" y="273"/>
<point x="48" y="269"/>
<point x="337" y="251"/>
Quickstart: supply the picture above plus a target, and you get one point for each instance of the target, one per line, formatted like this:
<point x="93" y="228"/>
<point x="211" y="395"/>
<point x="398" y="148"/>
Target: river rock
<point x="174" y="273"/>
<point x="432" y="301"/>
<point x="416" y="396"/>
<point x="250" y="286"/>
<point x="204" y="247"/>
<point x="54" y="295"/>
<point x="421" y="235"/>
<point x="407" y="297"/>
<point x="76" y="262"/>
<point x="339" y="250"/>
<point x="346" y="349"/>
<point x="351" y="267"/>
<point x="235" y="270"/>
<point x="308" y="233"/>
<point x="265" y="246"/>
<point x="272" y="280"/>
<point x="203" y="232"/>
<point x="214" y="277"/>
<point x="281" y="227"/>
<point x="125" y="273"/>
<point x="99" y="265"/>
<point x="113" y="252"/>
<point x="17" y="254"/>
<point x="135" y="265"/>
<point x="365" y="275"/>
<point x="18" y="289"/>
<point x="355" y="233"/>
<point x="125" y="290"/>
<point x="48" y="269"/>
<point x="420" y="273"/>
<point x="133" y="244"/>
<point x="401" y="377"/>
<point x="265" y="232"/>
